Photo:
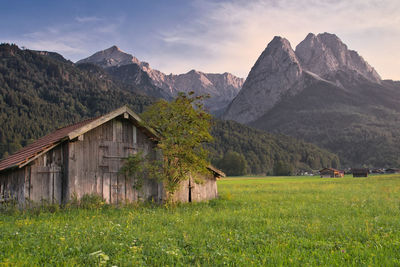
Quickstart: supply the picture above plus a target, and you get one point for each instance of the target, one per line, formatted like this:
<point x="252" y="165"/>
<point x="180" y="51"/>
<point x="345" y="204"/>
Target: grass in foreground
<point x="258" y="221"/>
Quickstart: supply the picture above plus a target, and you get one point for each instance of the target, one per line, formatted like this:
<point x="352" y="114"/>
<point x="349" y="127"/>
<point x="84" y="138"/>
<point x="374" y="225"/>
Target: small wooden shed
<point x="363" y="172"/>
<point x="85" y="158"/>
<point x="331" y="173"/>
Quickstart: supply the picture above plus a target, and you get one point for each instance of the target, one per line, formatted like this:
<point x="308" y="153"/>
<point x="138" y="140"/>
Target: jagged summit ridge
<point x="280" y="71"/>
<point x="221" y="87"/>
<point x="325" y="54"/>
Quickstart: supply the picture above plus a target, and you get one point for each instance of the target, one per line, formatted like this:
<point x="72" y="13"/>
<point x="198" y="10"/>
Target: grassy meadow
<point x="257" y="221"/>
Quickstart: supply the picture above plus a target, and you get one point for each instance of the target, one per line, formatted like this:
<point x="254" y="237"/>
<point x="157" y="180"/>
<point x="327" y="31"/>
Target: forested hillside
<point x="361" y="125"/>
<point x="263" y="151"/>
<point x="42" y="91"/>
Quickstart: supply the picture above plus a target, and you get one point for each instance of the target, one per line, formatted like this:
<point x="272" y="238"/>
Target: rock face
<point x="110" y="57"/>
<point x="280" y="72"/>
<point x="325" y="54"/>
<point x="277" y="72"/>
<point x="222" y="88"/>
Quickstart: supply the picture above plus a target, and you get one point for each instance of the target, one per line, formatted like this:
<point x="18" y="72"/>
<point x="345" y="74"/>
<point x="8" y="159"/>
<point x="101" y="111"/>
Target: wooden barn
<point x="331" y="173"/>
<point x="85" y="158"/>
<point x="360" y="172"/>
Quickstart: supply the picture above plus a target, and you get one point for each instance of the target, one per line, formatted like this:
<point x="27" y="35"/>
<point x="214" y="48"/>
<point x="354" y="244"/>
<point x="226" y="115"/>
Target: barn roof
<point x="44" y="144"/>
<point x="360" y="170"/>
<point x="216" y="171"/>
<point x="330" y="170"/>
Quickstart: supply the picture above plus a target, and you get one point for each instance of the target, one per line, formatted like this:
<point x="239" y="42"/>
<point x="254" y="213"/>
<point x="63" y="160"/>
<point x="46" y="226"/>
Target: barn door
<point x="114" y="185"/>
<point x="111" y="159"/>
<point x="46" y="184"/>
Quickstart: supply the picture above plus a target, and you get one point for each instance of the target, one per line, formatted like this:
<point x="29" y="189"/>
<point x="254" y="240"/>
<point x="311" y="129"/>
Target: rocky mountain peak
<point x="275" y="72"/>
<point x="281" y="47"/>
<point x="194" y="72"/>
<point x="114" y="48"/>
<point x="110" y="57"/>
<point x="325" y="54"/>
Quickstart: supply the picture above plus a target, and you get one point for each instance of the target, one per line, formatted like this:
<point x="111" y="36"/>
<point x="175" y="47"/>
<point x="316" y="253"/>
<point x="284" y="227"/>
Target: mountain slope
<point x="39" y="93"/>
<point x="132" y="76"/>
<point x="221" y="87"/>
<point x="276" y="72"/>
<point x="336" y="100"/>
<point x="340" y="121"/>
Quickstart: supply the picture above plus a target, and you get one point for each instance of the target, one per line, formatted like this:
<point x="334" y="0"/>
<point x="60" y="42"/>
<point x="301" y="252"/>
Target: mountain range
<point x="321" y="92"/>
<point x="326" y="94"/>
<point x="221" y="88"/>
<point x="41" y="91"/>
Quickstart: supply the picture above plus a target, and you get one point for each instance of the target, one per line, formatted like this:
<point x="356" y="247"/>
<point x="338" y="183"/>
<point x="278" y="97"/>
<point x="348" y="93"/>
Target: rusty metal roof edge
<point x="26" y="161"/>
<point x="45" y="150"/>
<point x="10" y="167"/>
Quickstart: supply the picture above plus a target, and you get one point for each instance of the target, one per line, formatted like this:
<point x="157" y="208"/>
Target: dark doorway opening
<point x="190" y="191"/>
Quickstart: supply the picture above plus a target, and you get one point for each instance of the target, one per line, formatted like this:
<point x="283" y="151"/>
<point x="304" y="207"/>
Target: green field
<point x="257" y="221"/>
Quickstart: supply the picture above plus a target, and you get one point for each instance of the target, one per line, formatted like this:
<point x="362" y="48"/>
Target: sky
<point x="176" y="36"/>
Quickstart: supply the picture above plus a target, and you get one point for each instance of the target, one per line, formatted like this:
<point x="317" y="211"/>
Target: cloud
<point x="230" y="35"/>
<point x="74" y="40"/>
<point x="87" y="19"/>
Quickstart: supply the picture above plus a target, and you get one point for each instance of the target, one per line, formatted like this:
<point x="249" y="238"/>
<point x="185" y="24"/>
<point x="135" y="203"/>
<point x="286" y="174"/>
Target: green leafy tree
<point x="283" y="169"/>
<point x="184" y="127"/>
<point x="233" y="164"/>
<point x="139" y="167"/>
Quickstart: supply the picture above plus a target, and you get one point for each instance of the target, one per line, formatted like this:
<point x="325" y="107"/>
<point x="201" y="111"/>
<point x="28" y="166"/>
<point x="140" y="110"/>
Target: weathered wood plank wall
<point x="199" y="191"/>
<point x="12" y="185"/>
<point x="95" y="161"/>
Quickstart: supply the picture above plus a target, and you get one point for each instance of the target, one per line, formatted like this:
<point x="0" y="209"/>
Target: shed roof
<point x="329" y="170"/>
<point x="219" y="173"/>
<point x="360" y="170"/>
<point x="44" y="144"/>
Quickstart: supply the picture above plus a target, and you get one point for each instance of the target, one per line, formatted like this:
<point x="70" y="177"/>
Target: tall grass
<point x="257" y="221"/>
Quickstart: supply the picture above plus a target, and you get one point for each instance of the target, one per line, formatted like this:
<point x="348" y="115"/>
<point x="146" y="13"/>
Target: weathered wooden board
<point x="46" y="184"/>
<point x="121" y="189"/>
<point x="114" y="188"/>
<point x="107" y="187"/>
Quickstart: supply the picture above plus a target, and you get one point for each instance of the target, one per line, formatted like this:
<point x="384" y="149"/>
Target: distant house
<point x="392" y="170"/>
<point x="360" y="172"/>
<point x="85" y="158"/>
<point x="331" y="173"/>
